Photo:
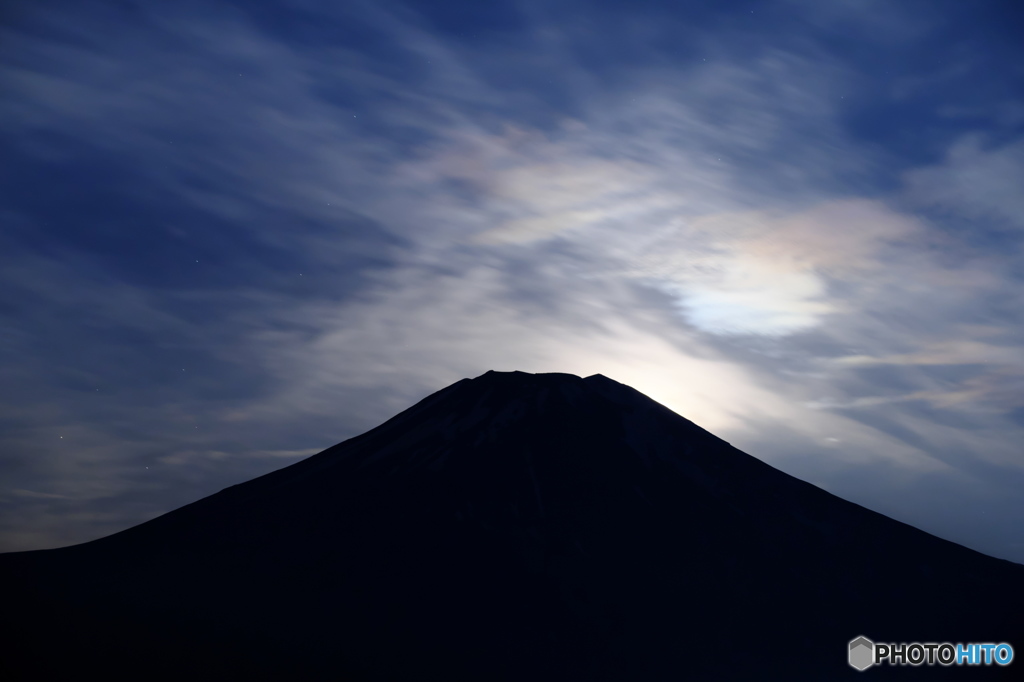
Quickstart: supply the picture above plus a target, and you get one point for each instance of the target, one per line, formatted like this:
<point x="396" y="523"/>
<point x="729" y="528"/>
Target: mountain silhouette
<point x="509" y="527"/>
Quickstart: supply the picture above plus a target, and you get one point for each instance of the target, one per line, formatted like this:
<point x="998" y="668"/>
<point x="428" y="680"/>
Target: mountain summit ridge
<point x="513" y="526"/>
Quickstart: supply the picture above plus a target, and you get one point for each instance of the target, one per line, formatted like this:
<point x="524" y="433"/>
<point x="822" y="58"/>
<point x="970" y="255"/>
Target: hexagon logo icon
<point x="862" y="652"/>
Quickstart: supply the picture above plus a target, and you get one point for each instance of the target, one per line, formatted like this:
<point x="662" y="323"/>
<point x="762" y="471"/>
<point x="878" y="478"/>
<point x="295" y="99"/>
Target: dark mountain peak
<point x="493" y="419"/>
<point x="513" y="526"/>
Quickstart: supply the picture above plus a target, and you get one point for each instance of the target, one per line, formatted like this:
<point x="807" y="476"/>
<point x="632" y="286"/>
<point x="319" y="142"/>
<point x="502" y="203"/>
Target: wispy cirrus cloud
<point x="977" y="181"/>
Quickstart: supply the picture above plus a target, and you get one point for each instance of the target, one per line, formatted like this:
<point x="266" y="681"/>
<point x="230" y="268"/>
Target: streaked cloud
<point x="979" y="180"/>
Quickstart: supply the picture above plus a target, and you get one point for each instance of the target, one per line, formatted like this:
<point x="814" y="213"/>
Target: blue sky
<point x="234" y="234"/>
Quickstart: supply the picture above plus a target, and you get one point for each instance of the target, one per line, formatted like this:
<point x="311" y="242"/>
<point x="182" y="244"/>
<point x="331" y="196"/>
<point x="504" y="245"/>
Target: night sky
<point x="233" y="234"/>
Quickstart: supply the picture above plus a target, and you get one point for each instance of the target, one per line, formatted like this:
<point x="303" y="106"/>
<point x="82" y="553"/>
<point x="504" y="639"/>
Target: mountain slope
<point x="509" y="527"/>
